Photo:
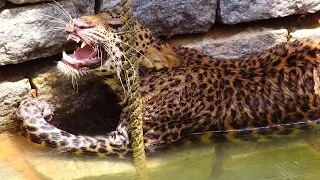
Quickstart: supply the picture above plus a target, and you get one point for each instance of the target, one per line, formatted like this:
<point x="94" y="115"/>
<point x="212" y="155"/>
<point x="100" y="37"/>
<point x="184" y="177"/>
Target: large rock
<point x="37" y="31"/>
<point x="238" y="45"/>
<point x="232" y="12"/>
<point x="170" y="17"/>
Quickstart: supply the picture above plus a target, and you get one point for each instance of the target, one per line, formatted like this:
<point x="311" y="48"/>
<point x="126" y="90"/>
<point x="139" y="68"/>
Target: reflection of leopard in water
<point x="183" y="91"/>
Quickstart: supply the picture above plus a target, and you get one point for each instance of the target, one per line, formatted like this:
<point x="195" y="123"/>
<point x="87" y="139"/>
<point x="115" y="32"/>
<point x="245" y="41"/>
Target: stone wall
<point x="33" y="30"/>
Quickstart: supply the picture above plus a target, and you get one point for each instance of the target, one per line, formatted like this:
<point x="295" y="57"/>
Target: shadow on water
<point x="286" y="157"/>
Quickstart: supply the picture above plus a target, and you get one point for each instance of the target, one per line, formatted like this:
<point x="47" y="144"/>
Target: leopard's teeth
<point x="64" y="55"/>
<point x="68" y="38"/>
<point x="83" y="44"/>
<point x="76" y="39"/>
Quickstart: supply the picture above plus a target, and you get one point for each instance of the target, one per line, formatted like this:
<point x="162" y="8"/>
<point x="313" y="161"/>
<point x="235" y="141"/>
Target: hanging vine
<point x="135" y="103"/>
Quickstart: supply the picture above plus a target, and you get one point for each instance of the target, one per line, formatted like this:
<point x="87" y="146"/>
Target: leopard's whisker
<point x="54" y="18"/>
<point x="54" y="30"/>
<point x="59" y="28"/>
<point x="60" y="8"/>
<point x="118" y="65"/>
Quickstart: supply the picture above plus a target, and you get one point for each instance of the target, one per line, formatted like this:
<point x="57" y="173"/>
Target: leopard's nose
<point x="70" y="27"/>
<point x="77" y="24"/>
<point x="82" y="24"/>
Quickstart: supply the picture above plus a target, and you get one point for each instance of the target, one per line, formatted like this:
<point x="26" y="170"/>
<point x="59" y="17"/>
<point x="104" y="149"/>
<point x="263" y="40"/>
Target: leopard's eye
<point x="116" y="27"/>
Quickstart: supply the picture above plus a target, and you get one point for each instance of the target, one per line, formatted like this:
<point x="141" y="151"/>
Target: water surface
<point x="284" y="158"/>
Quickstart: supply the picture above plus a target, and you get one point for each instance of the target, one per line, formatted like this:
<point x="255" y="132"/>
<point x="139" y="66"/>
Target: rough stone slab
<point x="305" y="33"/>
<point x="170" y="17"/>
<point x="2" y="3"/>
<point x="239" y="45"/>
<point x="26" y="1"/>
<point x="232" y="12"/>
<point x="29" y="33"/>
<point x="12" y="92"/>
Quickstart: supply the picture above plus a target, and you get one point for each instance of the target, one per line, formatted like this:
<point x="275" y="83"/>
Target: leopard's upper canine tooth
<point x="78" y="40"/>
<point x="83" y="44"/>
<point x="68" y="38"/>
<point x="64" y="55"/>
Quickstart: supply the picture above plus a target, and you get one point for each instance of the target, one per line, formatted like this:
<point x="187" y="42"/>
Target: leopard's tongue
<point x="83" y="56"/>
<point x="84" y="52"/>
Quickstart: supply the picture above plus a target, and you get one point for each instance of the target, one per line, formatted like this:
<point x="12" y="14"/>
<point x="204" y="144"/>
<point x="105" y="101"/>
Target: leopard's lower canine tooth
<point x="64" y="55"/>
<point x="83" y="44"/>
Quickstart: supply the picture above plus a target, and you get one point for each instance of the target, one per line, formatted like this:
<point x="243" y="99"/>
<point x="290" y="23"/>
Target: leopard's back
<point x="277" y="88"/>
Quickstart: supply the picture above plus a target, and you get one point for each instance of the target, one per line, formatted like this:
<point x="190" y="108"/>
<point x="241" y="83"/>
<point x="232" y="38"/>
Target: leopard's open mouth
<point x="84" y="57"/>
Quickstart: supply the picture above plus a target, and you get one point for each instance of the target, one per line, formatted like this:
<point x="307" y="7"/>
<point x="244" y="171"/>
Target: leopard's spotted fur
<point x="185" y="92"/>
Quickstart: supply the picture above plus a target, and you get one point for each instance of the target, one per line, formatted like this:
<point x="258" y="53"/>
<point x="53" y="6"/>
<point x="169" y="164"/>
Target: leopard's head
<point x="100" y="39"/>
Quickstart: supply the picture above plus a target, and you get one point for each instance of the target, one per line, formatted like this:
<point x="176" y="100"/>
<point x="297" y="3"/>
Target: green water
<point x="291" y="158"/>
<point x="283" y="158"/>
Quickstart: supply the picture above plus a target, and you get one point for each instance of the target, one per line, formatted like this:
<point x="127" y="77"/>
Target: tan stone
<point x="12" y="92"/>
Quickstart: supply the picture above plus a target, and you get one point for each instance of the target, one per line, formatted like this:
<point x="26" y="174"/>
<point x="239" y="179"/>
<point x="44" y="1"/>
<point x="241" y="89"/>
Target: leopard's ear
<point x="165" y="58"/>
<point x="112" y="17"/>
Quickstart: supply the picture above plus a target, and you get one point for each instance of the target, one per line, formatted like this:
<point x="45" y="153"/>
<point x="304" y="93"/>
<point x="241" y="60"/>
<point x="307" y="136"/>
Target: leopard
<point x="183" y="91"/>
